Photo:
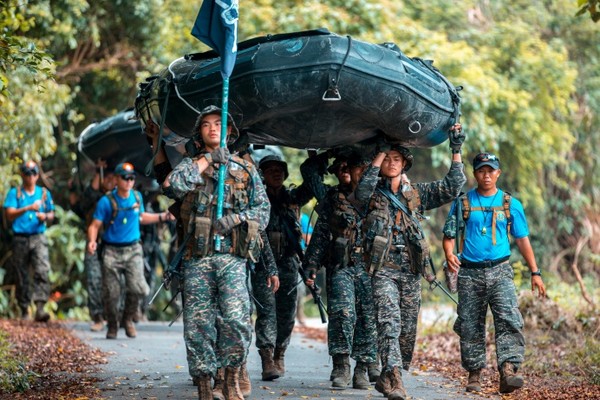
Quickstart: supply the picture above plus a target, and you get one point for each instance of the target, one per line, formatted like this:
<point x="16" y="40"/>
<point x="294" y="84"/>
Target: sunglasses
<point x="128" y="178"/>
<point x="30" y="173"/>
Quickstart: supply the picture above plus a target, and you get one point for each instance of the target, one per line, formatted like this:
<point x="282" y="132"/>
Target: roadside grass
<point x="14" y="376"/>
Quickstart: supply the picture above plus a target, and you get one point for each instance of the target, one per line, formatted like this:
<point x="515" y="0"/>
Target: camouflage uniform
<point x="275" y="320"/>
<point x="217" y="325"/>
<point x="396" y="285"/>
<point x="351" y="326"/>
<point x="91" y="262"/>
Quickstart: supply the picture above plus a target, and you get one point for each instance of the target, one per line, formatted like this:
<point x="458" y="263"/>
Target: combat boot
<point x="269" y="372"/>
<point x="509" y="379"/>
<point x="244" y="381"/>
<point x="383" y="384"/>
<point x="278" y="360"/>
<point x="204" y="390"/>
<point x="129" y="328"/>
<point x="231" y="389"/>
<point x="25" y="314"/>
<point x="374" y="371"/>
<point x="219" y="385"/>
<point x="342" y="363"/>
<point x="113" y="328"/>
<point x="360" y="379"/>
<point x="397" y="391"/>
<point x="40" y="314"/>
<point x="98" y="323"/>
<point x="473" y="384"/>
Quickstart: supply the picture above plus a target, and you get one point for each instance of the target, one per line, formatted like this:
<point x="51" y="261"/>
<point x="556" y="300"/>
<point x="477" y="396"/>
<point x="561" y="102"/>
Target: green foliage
<point x="590" y="6"/>
<point x="14" y="376"/>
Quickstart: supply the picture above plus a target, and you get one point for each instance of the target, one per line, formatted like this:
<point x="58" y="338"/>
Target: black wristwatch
<point x="537" y="273"/>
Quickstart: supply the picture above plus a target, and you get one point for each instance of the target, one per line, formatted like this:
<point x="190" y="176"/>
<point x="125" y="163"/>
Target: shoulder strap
<point x="466" y="207"/>
<point x="114" y="206"/>
<point x="506" y="205"/>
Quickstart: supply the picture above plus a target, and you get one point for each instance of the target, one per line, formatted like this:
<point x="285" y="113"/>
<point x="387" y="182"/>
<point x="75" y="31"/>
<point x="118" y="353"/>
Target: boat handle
<point x="335" y="94"/>
<point x="417" y="126"/>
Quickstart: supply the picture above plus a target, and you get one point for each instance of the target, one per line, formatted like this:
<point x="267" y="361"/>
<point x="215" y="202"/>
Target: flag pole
<point x="222" y="167"/>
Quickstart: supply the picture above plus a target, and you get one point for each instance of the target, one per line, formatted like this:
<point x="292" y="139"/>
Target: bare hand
<point x="536" y="282"/>
<point x="453" y="263"/>
<point x="91" y="247"/>
<point x="273" y="283"/>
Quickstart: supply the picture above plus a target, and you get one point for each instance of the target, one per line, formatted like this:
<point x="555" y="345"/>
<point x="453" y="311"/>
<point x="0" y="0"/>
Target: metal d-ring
<point x="413" y="124"/>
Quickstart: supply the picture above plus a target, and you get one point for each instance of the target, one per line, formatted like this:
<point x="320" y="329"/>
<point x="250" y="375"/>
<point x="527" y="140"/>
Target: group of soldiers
<point x="368" y="236"/>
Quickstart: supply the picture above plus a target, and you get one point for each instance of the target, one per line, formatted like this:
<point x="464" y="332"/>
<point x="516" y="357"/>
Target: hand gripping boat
<point x="312" y="89"/>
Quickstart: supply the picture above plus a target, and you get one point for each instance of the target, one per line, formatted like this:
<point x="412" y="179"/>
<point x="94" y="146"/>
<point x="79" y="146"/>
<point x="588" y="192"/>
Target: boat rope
<point x="332" y="93"/>
<point x="150" y="165"/>
<point x="453" y="90"/>
<point x="174" y="80"/>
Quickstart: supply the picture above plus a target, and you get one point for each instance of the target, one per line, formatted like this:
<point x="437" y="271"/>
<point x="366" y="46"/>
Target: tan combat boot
<point x="231" y="389"/>
<point x="129" y="328"/>
<point x="278" y="360"/>
<point x="244" y="381"/>
<point x="473" y="384"/>
<point x="98" y="323"/>
<point x="341" y="363"/>
<point x="204" y="390"/>
<point x="509" y="379"/>
<point x="383" y="384"/>
<point x="113" y="328"/>
<point x="219" y="385"/>
<point x="360" y="380"/>
<point x="269" y="372"/>
<point x="374" y="371"/>
<point x="397" y="391"/>
<point x="40" y="314"/>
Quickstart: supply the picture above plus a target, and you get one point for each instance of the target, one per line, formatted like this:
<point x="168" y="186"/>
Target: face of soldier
<point x="210" y="131"/>
<point x="343" y="174"/>
<point x="109" y="182"/>
<point x="487" y="177"/>
<point x="274" y="175"/>
<point x="392" y="164"/>
<point x="356" y="172"/>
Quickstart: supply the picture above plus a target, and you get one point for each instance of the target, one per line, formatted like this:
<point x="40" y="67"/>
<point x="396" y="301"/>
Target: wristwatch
<point x="537" y="273"/>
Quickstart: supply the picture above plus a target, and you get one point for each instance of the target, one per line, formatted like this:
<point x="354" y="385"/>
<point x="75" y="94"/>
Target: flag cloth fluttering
<point x="216" y="26"/>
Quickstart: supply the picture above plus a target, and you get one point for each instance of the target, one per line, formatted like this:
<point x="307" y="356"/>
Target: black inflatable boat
<point x="312" y="89"/>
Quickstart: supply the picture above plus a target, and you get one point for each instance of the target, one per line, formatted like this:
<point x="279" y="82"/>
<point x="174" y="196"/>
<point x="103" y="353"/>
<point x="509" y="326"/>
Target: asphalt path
<point x="153" y="366"/>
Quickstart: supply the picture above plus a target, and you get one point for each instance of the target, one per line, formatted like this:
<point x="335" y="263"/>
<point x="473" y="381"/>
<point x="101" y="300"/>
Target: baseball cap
<point x="125" y="169"/>
<point x="488" y="159"/>
<point x="30" y="168"/>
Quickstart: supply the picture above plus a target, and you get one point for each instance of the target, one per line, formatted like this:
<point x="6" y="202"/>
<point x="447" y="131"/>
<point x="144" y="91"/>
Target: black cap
<point x="488" y="159"/>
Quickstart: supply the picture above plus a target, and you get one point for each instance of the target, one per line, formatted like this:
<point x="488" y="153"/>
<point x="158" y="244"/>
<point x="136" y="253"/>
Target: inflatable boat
<point x="311" y="89"/>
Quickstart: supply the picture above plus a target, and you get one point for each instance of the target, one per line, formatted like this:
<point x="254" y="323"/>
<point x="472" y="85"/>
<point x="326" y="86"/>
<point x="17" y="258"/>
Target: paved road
<point x="153" y="366"/>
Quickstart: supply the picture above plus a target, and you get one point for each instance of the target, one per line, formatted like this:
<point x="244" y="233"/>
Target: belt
<point x="25" y="235"/>
<point x="483" y="264"/>
<point x="121" y="244"/>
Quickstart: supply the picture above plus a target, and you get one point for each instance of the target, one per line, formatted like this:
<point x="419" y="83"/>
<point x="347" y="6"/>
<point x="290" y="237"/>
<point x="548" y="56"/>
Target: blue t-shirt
<point x="478" y="245"/>
<point x="306" y="228"/>
<point x="125" y="227"/>
<point x="28" y="223"/>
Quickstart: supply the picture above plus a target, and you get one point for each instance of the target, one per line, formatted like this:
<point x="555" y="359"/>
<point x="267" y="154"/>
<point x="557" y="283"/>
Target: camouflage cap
<point x="273" y="158"/>
<point x="337" y="163"/>
<point x="358" y="160"/>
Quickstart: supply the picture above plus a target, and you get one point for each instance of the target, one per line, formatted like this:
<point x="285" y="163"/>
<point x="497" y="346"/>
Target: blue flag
<point x="216" y="26"/>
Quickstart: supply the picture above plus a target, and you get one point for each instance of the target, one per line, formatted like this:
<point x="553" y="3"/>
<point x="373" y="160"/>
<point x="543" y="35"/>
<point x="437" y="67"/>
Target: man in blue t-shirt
<point x="121" y="212"/>
<point x="29" y="207"/>
<point x="485" y="276"/>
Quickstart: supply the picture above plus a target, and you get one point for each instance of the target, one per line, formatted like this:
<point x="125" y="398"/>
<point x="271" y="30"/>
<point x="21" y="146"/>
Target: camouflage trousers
<point x="352" y="328"/>
<point x="478" y="289"/>
<point x="397" y="296"/>
<point x="31" y="252"/>
<point x="127" y="261"/>
<point x="93" y="271"/>
<point x="216" y="313"/>
<point x="275" y="320"/>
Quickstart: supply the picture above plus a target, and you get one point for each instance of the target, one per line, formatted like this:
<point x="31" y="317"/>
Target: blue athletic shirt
<point x="478" y="246"/>
<point x="126" y="224"/>
<point x="28" y="223"/>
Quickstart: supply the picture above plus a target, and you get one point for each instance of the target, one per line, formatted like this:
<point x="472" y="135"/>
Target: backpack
<point x="467" y="209"/>
<point x="115" y="207"/>
<point x="6" y="226"/>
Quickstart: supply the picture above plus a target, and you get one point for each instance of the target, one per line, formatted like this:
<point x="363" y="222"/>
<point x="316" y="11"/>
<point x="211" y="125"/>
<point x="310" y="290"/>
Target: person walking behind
<point x="216" y="312"/>
<point x="485" y="276"/>
<point x="275" y="320"/>
<point x="102" y="182"/>
<point x="30" y="208"/>
<point x="121" y="212"/>
<point x="398" y="254"/>
<point x="337" y="243"/>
